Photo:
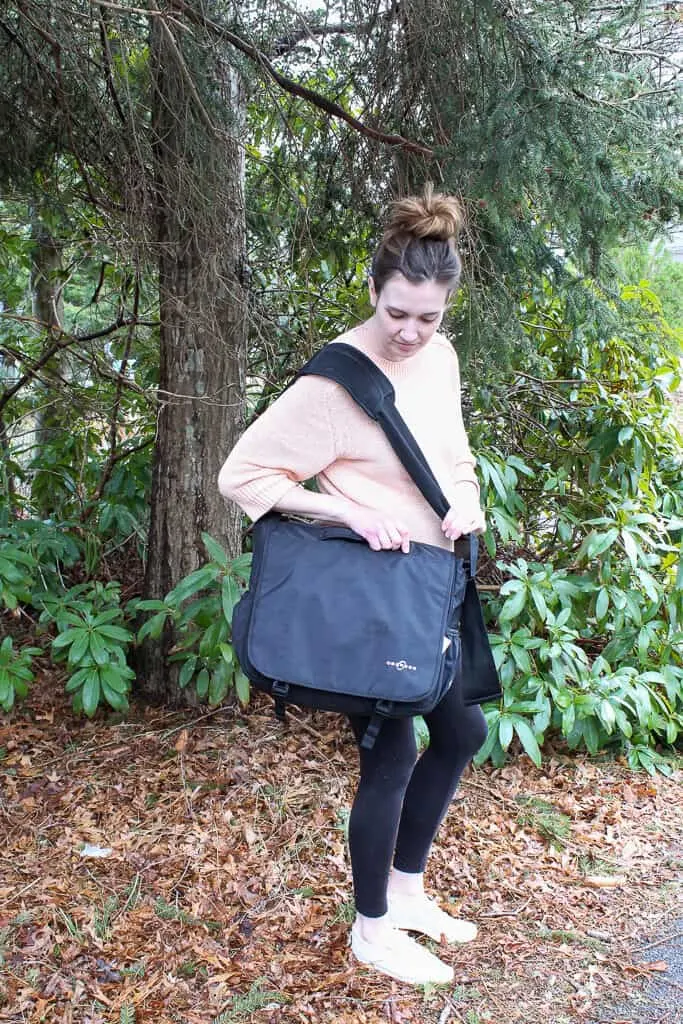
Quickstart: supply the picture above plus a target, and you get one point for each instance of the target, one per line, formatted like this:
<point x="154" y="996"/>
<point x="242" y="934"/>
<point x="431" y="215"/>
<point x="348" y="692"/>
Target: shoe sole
<point x="403" y="977"/>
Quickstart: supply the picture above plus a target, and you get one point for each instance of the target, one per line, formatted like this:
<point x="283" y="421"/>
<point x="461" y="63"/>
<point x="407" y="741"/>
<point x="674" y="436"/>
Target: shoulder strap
<point x="374" y="392"/>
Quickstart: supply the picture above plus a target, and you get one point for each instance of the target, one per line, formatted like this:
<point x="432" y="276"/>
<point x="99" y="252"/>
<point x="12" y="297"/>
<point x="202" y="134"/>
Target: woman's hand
<point x="380" y="530"/>
<point x="465" y="517"/>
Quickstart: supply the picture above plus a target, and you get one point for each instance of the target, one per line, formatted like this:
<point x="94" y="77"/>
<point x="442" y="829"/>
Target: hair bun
<point x="432" y="215"/>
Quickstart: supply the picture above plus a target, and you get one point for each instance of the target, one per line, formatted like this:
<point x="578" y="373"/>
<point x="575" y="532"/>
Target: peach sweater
<point x="314" y="429"/>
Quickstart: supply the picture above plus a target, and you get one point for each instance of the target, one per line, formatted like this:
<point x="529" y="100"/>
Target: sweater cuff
<point x="259" y="497"/>
<point x="467" y="479"/>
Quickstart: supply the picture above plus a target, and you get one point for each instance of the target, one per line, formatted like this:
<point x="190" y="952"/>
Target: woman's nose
<point x="409" y="333"/>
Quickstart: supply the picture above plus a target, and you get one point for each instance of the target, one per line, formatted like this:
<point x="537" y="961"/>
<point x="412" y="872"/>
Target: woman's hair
<point x="419" y="241"/>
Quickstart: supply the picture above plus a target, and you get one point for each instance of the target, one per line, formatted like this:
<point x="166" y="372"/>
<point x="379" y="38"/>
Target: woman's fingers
<point x="381" y="532"/>
<point x="457" y="524"/>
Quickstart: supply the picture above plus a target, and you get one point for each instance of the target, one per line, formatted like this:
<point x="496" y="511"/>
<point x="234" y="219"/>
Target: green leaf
<point x="212" y="637"/>
<point x="490" y="746"/>
<point x="114" y="679"/>
<point x="602" y="603"/>
<point x="215" y="551"/>
<point x="191" y="584"/>
<point x="513" y="606"/>
<point x="505" y="731"/>
<point x="539" y="601"/>
<point x="116" y="633"/>
<point x="97" y="649"/>
<point x="514" y="460"/>
<point x="511" y="587"/>
<point x="528" y="740"/>
<point x="242" y="688"/>
<point x="65" y="638"/>
<point x="91" y="693"/>
<point x="114" y="698"/>
<point x="590" y="735"/>
<point x="600" y="542"/>
<point x="79" y="646"/>
<point x="202" y="684"/>
<point x="631" y="547"/>
<point x="568" y="719"/>
<point x="218" y="684"/>
<point x="607" y="715"/>
<point x="230" y="595"/>
<point x="106" y="616"/>
<point x="187" y="671"/>
<point x="150" y="606"/>
<point x="241" y="567"/>
<point x="153" y="627"/>
<point x="649" y="585"/>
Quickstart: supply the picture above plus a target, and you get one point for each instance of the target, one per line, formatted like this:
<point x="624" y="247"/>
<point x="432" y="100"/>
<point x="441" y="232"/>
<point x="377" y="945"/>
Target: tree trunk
<point x="48" y="307"/>
<point x="199" y="173"/>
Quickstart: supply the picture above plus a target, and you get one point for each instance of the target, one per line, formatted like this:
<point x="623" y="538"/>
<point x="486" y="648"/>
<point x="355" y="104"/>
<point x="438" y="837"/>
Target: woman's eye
<point x="395" y="316"/>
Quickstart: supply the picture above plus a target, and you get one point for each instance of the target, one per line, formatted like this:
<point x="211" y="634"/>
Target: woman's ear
<point x="372" y="290"/>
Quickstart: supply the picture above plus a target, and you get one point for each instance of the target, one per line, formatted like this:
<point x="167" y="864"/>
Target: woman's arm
<point x="465" y="514"/>
<point x="293" y="441"/>
<point x="381" y="531"/>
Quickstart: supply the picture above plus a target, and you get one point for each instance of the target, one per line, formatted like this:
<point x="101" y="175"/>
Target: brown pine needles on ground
<point x="177" y="868"/>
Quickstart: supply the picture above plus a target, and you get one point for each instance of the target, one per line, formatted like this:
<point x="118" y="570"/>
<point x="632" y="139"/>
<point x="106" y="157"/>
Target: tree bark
<point x="199" y="180"/>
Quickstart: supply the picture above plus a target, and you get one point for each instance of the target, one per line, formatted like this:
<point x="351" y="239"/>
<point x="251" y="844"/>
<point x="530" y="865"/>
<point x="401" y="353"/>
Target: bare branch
<point x="63" y="341"/>
<point x="635" y="52"/>
<point x="289" y="42"/>
<point x="113" y="456"/>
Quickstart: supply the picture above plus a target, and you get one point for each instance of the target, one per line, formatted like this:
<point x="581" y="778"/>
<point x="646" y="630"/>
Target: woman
<point x="316" y="430"/>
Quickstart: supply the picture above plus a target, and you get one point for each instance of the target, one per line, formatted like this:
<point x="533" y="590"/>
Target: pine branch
<point x="289" y="42"/>
<point x="290" y="86"/>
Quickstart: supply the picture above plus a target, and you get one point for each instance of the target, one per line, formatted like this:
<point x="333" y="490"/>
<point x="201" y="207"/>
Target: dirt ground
<point x="193" y="868"/>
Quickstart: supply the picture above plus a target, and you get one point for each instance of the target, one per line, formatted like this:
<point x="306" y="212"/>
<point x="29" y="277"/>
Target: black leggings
<point x="399" y="803"/>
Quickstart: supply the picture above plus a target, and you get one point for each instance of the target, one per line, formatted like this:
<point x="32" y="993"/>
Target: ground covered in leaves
<point x="193" y="868"/>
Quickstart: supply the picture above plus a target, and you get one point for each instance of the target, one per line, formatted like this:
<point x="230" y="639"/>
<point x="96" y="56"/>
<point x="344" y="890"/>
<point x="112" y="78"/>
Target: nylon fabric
<point x="374" y="623"/>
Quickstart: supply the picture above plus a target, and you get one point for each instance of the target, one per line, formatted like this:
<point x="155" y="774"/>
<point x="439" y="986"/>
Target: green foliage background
<point x="557" y="132"/>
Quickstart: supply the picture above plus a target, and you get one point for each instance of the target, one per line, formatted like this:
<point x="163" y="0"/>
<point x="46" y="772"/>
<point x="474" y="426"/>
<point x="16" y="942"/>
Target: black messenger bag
<point x="329" y="623"/>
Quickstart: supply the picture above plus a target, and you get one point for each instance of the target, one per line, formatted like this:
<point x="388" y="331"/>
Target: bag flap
<point x="331" y="614"/>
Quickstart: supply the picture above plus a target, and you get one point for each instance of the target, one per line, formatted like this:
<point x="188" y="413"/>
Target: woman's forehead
<point x="420" y="298"/>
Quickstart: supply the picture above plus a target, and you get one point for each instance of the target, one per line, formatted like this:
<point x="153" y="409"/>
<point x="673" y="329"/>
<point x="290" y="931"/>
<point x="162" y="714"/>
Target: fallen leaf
<point x="181" y="743"/>
<point x="605" y="881"/>
<point x="654" y="965"/>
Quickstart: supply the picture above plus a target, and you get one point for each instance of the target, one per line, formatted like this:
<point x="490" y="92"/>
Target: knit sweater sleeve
<point x="463" y="462"/>
<point x="292" y="441"/>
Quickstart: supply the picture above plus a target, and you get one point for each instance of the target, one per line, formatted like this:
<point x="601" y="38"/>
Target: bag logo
<point x="401" y="666"/>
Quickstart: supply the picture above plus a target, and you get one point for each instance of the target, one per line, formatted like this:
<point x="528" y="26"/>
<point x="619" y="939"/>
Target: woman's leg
<point x="384" y="774"/>
<point x="456" y="733"/>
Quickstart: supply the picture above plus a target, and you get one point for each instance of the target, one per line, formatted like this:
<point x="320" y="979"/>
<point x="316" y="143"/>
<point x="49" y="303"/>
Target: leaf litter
<point x="225" y="891"/>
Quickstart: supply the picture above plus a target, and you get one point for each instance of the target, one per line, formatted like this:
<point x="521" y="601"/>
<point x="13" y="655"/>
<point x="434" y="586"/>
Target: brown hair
<point x="419" y="241"/>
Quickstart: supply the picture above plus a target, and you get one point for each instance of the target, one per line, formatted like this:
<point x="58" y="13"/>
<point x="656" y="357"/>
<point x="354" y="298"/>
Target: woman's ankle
<point x="374" y="929"/>
<point x="405" y="883"/>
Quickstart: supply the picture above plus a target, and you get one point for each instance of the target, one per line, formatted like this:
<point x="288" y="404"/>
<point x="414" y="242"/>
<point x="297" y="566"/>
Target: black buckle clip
<point x="279" y="692"/>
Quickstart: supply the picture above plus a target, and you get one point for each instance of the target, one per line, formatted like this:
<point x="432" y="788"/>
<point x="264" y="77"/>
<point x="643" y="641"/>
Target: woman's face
<point x="406" y="315"/>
